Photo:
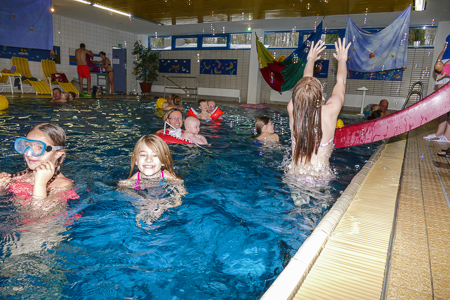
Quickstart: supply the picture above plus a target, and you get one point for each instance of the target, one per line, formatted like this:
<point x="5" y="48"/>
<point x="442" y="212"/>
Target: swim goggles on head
<point x="37" y="148"/>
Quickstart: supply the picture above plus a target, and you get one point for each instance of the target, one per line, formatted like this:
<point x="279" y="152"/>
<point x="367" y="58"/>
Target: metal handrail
<point x="409" y="96"/>
<point x="185" y="89"/>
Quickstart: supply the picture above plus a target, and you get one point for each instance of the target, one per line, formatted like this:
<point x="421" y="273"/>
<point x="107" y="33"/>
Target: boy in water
<point x="205" y="114"/>
<point x="192" y="126"/>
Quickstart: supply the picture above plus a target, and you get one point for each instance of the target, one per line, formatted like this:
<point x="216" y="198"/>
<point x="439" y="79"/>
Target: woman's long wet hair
<point x="58" y="136"/>
<point x="159" y="147"/>
<point x="307" y="114"/>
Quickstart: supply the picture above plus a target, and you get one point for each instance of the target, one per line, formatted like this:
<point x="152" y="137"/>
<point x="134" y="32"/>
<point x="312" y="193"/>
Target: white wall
<point x="69" y="33"/>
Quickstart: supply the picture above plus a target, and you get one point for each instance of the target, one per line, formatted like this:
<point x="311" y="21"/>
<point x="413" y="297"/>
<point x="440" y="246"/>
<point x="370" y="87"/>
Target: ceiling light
<point x="83" y="1"/>
<point x="420" y="5"/>
<point x="112" y="10"/>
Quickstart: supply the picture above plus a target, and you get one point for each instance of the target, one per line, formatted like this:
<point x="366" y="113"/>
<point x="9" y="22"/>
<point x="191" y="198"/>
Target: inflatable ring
<point x="4" y="104"/>
<point x="159" y="102"/>
<point x="170" y="139"/>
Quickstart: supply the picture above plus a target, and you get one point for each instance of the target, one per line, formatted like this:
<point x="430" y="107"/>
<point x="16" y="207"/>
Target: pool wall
<point x="291" y="278"/>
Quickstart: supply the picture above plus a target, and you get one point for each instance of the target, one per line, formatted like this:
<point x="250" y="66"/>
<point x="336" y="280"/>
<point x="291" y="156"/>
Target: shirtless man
<point x="82" y="68"/>
<point x="383" y="107"/>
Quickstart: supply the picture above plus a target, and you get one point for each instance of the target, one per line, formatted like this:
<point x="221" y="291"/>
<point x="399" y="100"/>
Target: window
<point x="281" y="39"/>
<point x="214" y="41"/>
<point x="161" y="43"/>
<point x="424" y="36"/>
<point x="241" y="41"/>
<point x="186" y="42"/>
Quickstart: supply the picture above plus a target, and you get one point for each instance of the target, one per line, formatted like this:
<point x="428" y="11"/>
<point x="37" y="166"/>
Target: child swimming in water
<point x="313" y="123"/>
<point x="43" y="150"/>
<point x="264" y="129"/>
<point x="192" y="126"/>
<point x="154" y="162"/>
<point x="152" y="157"/>
<point x="204" y="114"/>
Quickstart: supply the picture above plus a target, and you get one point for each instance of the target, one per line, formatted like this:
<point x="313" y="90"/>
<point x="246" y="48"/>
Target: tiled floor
<point x="420" y="267"/>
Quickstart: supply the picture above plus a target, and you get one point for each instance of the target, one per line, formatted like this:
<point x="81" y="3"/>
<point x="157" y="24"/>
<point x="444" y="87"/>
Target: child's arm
<point x="313" y="55"/>
<point x="5" y="178"/>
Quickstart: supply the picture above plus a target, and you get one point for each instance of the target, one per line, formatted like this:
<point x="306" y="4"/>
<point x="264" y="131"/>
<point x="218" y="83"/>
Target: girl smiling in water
<point x="43" y="151"/>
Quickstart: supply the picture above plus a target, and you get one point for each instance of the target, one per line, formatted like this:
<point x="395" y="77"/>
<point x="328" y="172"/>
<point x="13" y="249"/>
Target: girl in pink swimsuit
<point x="43" y="151"/>
<point x="152" y="157"/>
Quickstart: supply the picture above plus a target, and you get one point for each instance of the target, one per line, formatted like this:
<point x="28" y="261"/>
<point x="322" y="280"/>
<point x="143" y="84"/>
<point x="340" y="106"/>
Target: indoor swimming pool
<point x="236" y="229"/>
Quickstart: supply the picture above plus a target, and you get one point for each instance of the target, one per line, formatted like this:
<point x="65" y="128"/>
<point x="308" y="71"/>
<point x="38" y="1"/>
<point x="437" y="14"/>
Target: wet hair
<point x="102" y="53"/>
<point x="260" y="123"/>
<point x="82" y="45"/>
<point x="201" y="101"/>
<point x="73" y="95"/>
<point x="176" y="100"/>
<point x="159" y="147"/>
<point x="169" y="112"/>
<point x="307" y="114"/>
<point x="375" y="115"/>
<point x="58" y="136"/>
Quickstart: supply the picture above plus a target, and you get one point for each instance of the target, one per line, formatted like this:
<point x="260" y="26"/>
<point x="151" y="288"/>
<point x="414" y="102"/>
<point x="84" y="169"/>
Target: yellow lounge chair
<point x="23" y="68"/>
<point x="49" y="68"/>
<point x="7" y="80"/>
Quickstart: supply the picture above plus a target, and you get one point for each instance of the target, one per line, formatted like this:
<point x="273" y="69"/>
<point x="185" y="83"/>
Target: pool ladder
<point x="413" y="91"/>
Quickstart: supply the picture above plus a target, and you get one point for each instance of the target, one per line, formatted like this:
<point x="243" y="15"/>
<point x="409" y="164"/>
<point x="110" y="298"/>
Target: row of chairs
<point x="42" y="87"/>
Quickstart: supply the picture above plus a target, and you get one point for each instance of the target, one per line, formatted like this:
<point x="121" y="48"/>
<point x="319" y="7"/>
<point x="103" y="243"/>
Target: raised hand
<point x="43" y="173"/>
<point x="315" y="50"/>
<point x="341" y="53"/>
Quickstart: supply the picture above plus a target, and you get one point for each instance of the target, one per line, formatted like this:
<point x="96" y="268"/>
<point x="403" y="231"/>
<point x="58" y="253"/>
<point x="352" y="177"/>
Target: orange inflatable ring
<point x="170" y="139"/>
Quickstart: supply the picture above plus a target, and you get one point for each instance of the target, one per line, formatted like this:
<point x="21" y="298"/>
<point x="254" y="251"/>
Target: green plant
<point x="146" y="63"/>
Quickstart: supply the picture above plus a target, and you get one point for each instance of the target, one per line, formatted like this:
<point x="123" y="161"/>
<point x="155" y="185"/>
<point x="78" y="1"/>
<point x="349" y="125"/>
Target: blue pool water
<point x="235" y="231"/>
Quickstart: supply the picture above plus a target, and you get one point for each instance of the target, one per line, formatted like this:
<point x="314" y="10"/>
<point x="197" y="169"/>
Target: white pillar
<point x="144" y="40"/>
<point x="254" y="75"/>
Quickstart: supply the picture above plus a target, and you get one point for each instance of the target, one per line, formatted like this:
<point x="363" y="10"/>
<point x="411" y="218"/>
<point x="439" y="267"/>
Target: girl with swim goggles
<point x="43" y="151"/>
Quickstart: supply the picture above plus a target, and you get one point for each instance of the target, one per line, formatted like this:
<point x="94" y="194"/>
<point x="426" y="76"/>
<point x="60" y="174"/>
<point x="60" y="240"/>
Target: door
<point x="119" y="61"/>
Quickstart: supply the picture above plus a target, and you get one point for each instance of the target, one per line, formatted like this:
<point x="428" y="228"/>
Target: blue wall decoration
<point x="391" y="75"/>
<point x="27" y="24"/>
<point x="218" y="66"/>
<point x="180" y="66"/>
<point x="30" y="54"/>
<point x="321" y="68"/>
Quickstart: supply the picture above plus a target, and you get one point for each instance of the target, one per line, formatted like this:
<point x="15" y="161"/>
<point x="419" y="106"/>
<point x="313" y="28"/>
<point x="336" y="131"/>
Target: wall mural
<point x="30" y="54"/>
<point x="391" y="75"/>
<point x="218" y="66"/>
<point x="180" y="66"/>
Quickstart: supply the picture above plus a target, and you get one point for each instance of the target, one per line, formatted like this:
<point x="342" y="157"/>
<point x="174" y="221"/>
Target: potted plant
<point x="147" y="66"/>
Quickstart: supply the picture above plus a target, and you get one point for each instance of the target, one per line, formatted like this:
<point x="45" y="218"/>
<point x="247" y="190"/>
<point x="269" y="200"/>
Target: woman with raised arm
<point x="313" y="123"/>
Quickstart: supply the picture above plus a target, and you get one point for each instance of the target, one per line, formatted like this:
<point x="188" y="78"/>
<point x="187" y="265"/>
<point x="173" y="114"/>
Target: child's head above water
<point x="203" y="105"/>
<point x="43" y="143"/>
<point x="151" y="155"/>
<point x="439" y="66"/>
<point x="375" y="107"/>
<point x="264" y="124"/>
<point x="177" y="100"/>
<point x="192" y="125"/>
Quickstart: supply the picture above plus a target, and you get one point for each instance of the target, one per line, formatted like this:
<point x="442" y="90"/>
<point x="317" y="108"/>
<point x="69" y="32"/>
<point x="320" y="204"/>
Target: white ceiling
<point x="437" y="10"/>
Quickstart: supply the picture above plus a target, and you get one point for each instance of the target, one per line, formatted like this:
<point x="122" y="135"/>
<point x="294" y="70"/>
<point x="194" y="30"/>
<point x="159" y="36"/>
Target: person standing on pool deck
<point x="106" y="63"/>
<point x="82" y="67"/>
<point x="313" y="124"/>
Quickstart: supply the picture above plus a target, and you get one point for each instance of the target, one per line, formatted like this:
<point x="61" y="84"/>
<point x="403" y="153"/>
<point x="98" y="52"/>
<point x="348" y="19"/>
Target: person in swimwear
<point x="211" y="106"/>
<point x="264" y="130"/>
<point x="192" y="125"/>
<point x="106" y="63"/>
<point x="174" y="101"/>
<point x="43" y="151"/>
<point x="82" y="67"/>
<point x="204" y="114"/>
<point x="174" y="117"/>
<point x="312" y="123"/>
<point x="152" y="157"/>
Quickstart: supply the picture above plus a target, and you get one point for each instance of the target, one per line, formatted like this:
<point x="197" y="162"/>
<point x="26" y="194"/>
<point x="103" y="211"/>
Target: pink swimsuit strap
<point x="137" y="183"/>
